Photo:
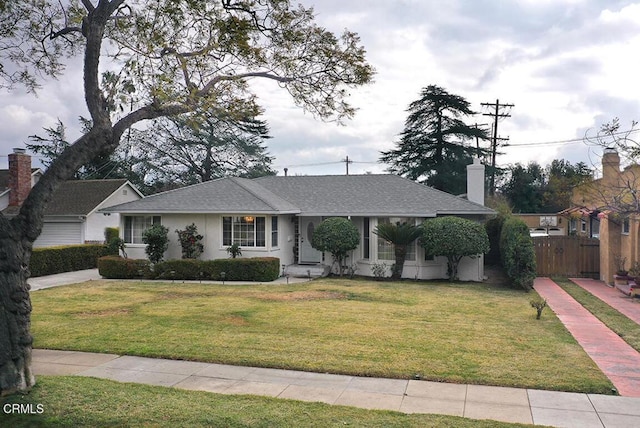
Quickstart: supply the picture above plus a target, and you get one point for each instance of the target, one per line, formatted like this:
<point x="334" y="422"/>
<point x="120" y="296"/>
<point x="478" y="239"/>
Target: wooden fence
<point x="567" y="256"/>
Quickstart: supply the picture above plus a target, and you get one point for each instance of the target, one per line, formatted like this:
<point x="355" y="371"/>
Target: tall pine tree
<point x="436" y="145"/>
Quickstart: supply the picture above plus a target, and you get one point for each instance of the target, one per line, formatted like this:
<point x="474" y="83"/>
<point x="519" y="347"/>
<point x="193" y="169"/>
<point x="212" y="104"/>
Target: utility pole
<point x="496" y="114"/>
<point x="347" y="162"/>
<point x="480" y="126"/>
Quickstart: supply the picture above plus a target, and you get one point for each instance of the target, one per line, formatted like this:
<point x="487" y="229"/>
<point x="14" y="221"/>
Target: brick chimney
<point x="19" y="177"/>
<point x="475" y="182"/>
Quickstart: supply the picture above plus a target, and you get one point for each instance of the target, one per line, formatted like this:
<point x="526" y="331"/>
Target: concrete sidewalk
<point x="559" y="409"/>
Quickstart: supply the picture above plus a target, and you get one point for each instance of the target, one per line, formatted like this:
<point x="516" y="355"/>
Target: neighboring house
<point x="276" y="216"/>
<point x="553" y="224"/>
<point x="595" y="207"/>
<point x="9" y="178"/>
<point x="72" y="216"/>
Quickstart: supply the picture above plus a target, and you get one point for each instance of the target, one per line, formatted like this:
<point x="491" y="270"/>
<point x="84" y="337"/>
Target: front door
<point x="308" y="254"/>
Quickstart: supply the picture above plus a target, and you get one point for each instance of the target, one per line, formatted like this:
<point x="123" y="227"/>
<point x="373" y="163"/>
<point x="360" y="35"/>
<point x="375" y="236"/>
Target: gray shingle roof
<point x="366" y="195"/>
<point x="225" y="195"/>
<point x="80" y="197"/>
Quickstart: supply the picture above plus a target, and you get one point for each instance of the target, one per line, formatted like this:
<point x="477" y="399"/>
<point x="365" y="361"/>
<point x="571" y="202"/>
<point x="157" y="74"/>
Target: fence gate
<point x="567" y="256"/>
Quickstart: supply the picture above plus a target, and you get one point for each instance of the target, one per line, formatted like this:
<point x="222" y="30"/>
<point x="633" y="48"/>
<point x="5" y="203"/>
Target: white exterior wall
<point x="210" y="227"/>
<point x="470" y="269"/>
<point x="96" y="222"/>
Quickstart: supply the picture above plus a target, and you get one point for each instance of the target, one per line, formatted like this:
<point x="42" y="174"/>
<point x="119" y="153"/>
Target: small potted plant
<point x="634" y="272"/>
<point x="622" y="275"/>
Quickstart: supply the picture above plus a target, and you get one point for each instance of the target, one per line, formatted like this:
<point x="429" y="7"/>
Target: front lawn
<point x="68" y="401"/>
<point x="466" y="333"/>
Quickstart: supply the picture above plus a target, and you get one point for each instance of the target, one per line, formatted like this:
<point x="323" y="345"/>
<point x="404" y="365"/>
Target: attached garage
<point x="60" y="233"/>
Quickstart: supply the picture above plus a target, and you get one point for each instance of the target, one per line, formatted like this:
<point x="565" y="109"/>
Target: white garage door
<point x="60" y="234"/>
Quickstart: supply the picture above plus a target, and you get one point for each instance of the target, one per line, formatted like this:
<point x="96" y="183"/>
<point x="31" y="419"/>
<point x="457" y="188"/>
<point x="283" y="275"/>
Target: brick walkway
<point x="617" y="360"/>
<point x="611" y="296"/>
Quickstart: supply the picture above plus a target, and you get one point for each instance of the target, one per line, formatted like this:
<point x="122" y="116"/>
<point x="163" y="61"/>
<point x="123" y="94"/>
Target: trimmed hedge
<point x="67" y="258"/>
<point x="116" y="267"/>
<point x="517" y="253"/>
<point x="250" y="269"/>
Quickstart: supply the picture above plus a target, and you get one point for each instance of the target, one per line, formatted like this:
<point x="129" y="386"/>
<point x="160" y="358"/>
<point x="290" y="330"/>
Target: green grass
<point x="465" y="333"/>
<point x="626" y="328"/>
<point x="69" y="401"/>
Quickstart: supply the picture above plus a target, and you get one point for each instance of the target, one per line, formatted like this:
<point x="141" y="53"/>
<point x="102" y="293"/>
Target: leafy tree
<point x="156" y="238"/>
<point x="191" y="242"/>
<point x="525" y="187"/>
<point x="119" y="164"/>
<point x="562" y="178"/>
<point x="164" y="58"/>
<point x="337" y="236"/>
<point x="534" y="189"/>
<point x="433" y="146"/>
<point x="197" y="148"/>
<point x="454" y="238"/>
<point x="401" y="235"/>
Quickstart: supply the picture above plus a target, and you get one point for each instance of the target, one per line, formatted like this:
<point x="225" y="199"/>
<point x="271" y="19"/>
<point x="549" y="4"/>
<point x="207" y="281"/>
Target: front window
<point x="366" y="232"/>
<point x="625" y="226"/>
<point x="385" y="249"/>
<point x="274" y="231"/>
<point x="134" y="226"/>
<point x="246" y="231"/>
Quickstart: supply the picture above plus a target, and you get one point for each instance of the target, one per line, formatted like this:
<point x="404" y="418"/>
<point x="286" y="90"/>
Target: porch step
<point x="304" y="271"/>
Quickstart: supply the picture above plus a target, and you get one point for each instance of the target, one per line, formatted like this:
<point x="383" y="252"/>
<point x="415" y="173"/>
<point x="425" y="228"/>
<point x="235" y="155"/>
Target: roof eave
<point x="182" y="212"/>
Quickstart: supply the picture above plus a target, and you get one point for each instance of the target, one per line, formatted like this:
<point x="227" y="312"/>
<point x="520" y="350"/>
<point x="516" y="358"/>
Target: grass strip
<point x="624" y="327"/>
<point x="69" y="401"/>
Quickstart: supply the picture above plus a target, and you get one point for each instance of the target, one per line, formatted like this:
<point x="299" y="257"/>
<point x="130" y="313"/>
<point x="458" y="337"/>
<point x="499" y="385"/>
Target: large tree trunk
<point x="15" y="312"/>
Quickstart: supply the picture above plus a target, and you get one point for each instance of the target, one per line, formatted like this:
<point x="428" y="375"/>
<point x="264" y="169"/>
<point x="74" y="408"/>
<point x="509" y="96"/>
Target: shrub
<point x="454" y="238"/>
<point x="517" y="253"/>
<point x="338" y="236"/>
<point x="191" y="242"/>
<point x="493" y="228"/>
<point x="379" y="270"/>
<point x="157" y="242"/>
<point x="111" y="233"/>
<point x="179" y="269"/>
<point x="115" y="267"/>
<point x="67" y="258"/>
<point x="263" y="269"/>
<point x="234" y="250"/>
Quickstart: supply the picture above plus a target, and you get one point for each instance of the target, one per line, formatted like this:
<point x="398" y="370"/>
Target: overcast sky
<point x="567" y="65"/>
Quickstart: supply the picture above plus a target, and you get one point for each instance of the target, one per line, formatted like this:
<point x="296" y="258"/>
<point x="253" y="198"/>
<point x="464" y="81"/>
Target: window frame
<point x="274" y="231"/>
<point x="248" y="231"/>
<point x="130" y="235"/>
<point x="412" y="251"/>
<point x="626" y="226"/>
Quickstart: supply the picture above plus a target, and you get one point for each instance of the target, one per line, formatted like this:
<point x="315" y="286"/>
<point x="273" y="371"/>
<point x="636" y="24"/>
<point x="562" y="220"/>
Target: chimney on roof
<point x="475" y="182"/>
<point x="19" y="177"/>
<point x="610" y="164"/>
